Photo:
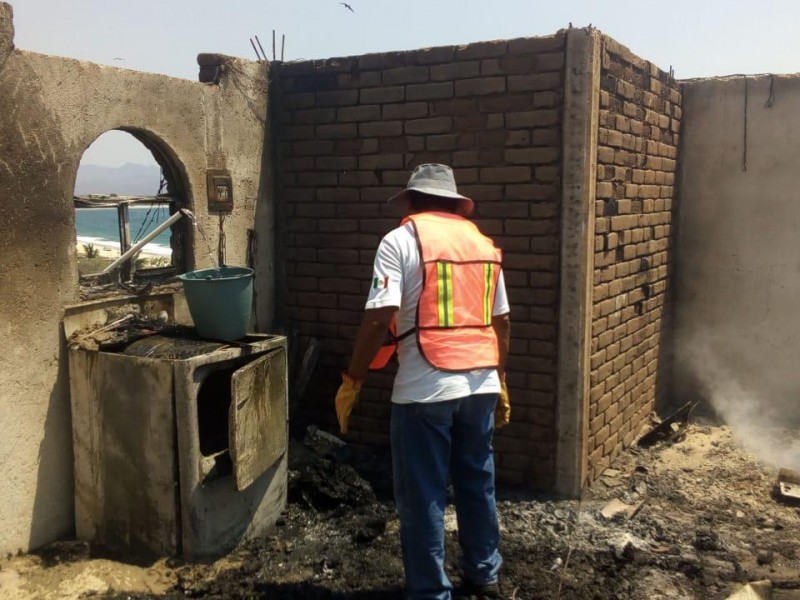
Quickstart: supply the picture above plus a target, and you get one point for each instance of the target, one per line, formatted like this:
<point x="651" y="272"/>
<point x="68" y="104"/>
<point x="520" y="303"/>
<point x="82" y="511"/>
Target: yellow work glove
<point x="346" y="399"/>
<point x="502" y="410"/>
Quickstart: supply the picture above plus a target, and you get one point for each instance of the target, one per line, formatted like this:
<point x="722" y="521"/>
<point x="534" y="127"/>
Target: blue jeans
<point x="429" y="442"/>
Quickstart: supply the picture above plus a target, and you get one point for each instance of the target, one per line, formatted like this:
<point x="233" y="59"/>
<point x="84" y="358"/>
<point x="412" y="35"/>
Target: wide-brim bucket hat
<point x="436" y="180"/>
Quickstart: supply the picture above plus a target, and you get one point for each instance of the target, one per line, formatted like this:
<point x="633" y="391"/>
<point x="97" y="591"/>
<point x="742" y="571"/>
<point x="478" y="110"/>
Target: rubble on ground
<point x="702" y="521"/>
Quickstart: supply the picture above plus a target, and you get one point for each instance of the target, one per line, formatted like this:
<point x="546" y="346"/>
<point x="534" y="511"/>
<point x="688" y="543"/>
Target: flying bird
<point x="118" y="58"/>
<point x="347" y="6"/>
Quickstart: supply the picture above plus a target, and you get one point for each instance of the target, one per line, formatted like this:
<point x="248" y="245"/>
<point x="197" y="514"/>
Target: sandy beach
<point x="107" y="249"/>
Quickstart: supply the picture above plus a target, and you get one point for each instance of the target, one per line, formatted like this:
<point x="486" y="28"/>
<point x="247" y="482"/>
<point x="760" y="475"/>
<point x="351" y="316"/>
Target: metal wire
<point x="152" y="217"/>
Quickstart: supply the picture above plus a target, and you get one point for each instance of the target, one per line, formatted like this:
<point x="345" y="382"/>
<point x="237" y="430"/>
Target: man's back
<point x="397" y="281"/>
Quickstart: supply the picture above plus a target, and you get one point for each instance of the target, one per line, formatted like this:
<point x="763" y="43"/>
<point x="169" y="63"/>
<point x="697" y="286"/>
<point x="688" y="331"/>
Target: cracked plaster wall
<point x="51" y="109"/>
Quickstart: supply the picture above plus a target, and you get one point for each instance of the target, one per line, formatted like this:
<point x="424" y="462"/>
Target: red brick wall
<point x="348" y="133"/>
<point x="636" y="159"/>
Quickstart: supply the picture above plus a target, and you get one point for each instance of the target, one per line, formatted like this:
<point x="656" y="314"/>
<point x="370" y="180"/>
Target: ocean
<point x="100" y="226"/>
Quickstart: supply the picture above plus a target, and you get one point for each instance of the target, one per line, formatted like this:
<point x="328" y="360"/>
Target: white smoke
<point x="760" y="414"/>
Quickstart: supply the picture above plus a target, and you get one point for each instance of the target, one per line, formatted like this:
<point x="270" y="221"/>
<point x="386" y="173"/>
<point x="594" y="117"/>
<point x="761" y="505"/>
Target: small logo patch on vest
<point x="380" y="283"/>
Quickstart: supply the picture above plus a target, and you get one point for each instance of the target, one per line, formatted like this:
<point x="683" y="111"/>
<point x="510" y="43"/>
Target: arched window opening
<point x="127" y="199"/>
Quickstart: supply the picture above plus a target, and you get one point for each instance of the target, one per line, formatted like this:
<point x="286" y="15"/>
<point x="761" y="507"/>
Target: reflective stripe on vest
<point x="444" y="281"/>
<point x="488" y="296"/>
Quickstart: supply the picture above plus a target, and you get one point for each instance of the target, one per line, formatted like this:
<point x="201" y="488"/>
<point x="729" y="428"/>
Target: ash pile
<point x="691" y="517"/>
<point x="325" y="473"/>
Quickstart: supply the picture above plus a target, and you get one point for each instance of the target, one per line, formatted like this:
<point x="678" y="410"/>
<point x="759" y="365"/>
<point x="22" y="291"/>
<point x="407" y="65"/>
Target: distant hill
<point x="127" y="180"/>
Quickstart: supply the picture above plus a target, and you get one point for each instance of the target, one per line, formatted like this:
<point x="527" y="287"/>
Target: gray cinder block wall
<point x="349" y="130"/>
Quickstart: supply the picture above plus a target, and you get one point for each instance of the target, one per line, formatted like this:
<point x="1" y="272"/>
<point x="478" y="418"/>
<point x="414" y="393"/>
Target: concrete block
<point x="429" y="56"/>
<point x="473" y="123"/>
<point x="455" y="106"/>
<point x="407" y="110"/>
<point x="427" y="126"/>
<point x="548" y="174"/>
<point x="604" y="189"/>
<point x="528" y="227"/>
<point x="553" y="61"/>
<point x="605" y="155"/>
<point x="381" y="128"/>
<point x="518" y="138"/>
<point x="369" y="112"/>
<point x="490" y="67"/>
<point x="404" y="75"/>
<point x="359" y="79"/>
<point x="516" y="64"/>
<point x="337" y="194"/>
<point x="507" y="103"/>
<point x="312" y="148"/>
<point x="296" y="163"/>
<point x="533" y="118"/>
<point x="336" y="163"/>
<point x="480" y="87"/>
<point x="386" y="60"/>
<point x="442" y="142"/>
<point x="303" y="100"/>
<point x="354" y="178"/>
<point x="532" y="155"/>
<point x="547" y="99"/>
<point x="315" y="115"/>
<point x="357" y="146"/>
<point x="297" y="132"/>
<point x="391" y="145"/>
<point x="337" y="98"/>
<point x="614" y="138"/>
<point x="456" y="70"/>
<point x="535" y="82"/>
<point x="546" y="137"/>
<point x="505" y="174"/>
<point x="383" y="94"/>
<point x="336" y="131"/>
<point x="429" y="91"/>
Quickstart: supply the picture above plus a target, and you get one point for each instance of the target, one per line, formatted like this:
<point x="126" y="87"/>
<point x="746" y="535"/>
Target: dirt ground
<point x="708" y="522"/>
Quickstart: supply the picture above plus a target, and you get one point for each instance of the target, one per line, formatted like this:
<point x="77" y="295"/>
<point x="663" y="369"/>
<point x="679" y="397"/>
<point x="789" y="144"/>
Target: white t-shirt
<point x="397" y="281"/>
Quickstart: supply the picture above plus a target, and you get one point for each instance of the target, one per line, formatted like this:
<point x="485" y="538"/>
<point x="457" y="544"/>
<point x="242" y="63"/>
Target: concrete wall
<point x="349" y="132"/>
<point x="51" y="109"/>
<point x="639" y="125"/>
<point x="739" y="248"/>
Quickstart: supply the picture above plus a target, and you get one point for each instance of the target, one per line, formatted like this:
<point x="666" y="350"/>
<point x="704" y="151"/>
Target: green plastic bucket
<point x="220" y="300"/>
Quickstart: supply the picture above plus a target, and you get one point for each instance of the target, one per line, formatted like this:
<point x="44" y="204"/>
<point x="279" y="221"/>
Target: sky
<point x="696" y="38"/>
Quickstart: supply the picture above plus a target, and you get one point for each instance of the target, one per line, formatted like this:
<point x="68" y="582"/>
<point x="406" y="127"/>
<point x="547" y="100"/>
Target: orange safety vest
<point x="461" y="268"/>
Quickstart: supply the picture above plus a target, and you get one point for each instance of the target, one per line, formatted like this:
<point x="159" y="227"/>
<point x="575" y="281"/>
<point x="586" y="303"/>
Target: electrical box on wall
<point x="220" y="190"/>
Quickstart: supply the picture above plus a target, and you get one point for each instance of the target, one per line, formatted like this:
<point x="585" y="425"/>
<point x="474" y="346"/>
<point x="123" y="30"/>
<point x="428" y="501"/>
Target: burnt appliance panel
<point x="180" y="445"/>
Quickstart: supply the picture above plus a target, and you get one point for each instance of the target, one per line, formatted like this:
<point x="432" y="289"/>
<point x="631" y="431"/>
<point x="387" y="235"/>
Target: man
<point x="439" y="288"/>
